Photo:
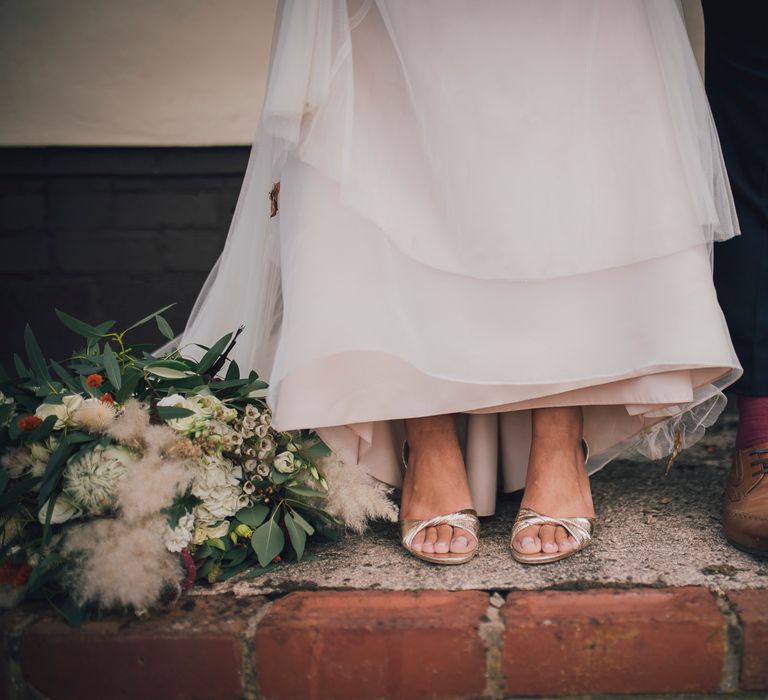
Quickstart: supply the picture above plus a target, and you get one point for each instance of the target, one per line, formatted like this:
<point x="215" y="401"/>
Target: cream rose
<point x="63" y="509"/>
<point x="285" y="463"/>
<point x="63" y="411"/>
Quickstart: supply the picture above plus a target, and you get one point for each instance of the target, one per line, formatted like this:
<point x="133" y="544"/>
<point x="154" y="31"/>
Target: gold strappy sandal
<point x="581" y="529"/>
<point x="465" y="519"/>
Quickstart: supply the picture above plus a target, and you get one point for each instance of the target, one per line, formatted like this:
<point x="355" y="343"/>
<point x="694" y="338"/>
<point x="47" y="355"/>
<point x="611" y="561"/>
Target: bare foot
<point x="557" y="483"/>
<point x="435" y="483"/>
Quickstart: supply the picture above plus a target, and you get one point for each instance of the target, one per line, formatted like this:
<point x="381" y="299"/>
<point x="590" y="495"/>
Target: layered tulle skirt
<point x="484" y="208"/>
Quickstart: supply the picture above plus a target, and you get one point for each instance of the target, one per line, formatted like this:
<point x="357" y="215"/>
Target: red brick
<point x="752" y="609"/>
<point x="192" y="651"/>
<point x="354" y="645"/>
<point x="612" y="641"/>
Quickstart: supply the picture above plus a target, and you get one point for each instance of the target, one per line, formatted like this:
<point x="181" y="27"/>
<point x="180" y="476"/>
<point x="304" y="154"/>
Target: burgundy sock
<point x="753" y="421"/>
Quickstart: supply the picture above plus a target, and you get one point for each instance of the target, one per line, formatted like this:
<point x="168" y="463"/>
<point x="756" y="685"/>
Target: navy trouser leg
<point x="736" y="77"/>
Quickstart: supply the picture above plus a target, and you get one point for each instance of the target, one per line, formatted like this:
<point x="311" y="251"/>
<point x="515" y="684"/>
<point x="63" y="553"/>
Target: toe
<point x="462" y="541"/>
<point x="561" y="537"/>
<point x="547" y="537"/>
<point x="418" y="541"/>
<point x="444" y="535"/>
<point x="430" y="537"/>
<point x="527" y="540"/>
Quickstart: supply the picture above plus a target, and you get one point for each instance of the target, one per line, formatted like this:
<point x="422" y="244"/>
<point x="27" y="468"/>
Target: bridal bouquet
<point x="125" y="477"/>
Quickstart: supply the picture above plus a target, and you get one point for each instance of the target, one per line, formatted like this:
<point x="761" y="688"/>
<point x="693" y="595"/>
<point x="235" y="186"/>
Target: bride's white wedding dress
<point x="485" y="207"/>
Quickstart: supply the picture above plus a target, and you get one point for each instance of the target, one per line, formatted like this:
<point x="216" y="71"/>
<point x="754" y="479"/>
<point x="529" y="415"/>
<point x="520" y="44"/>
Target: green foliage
<point x="284" y="509"/>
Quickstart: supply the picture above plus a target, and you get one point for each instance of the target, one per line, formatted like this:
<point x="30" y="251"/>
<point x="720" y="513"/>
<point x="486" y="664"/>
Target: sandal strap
<point x="579" y="528"/>
<point x="465" y="519"/>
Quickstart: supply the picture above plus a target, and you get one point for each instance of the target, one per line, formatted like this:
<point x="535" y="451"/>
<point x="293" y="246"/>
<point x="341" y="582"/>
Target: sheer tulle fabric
<point x="484" y="208"/>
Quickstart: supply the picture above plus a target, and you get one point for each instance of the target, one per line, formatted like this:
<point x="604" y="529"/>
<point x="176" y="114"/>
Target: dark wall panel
<point x="108" y="233"/>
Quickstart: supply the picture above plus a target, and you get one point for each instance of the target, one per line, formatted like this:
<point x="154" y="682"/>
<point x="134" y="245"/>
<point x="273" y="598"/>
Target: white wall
<point x="132" y="72"/>
<point x="143" y="72"/>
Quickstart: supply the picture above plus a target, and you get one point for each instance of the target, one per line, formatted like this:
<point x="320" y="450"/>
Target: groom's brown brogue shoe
<point x="745" y="518"/>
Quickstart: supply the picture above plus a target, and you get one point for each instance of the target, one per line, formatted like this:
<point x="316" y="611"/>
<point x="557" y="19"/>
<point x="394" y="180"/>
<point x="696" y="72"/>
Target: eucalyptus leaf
<point x="296" y="534"/>
<point x="232" y="570"/>
<point x="48" y="515"/>
<point x="54" y="469"/>
<point x="302" y="523"/>
<point x="131" y="379"/>
<point x="112" y="367"/>
<point x="319" y="449"/>
<point x="149" y="318"/>
<point x="65" y="376"/>
<point x="169" y="372"/>
<point x="164" y="327"/>
<point x="35" y="356"/>
<point x="21" y="369"/>
<point x="79" y="327"/>
<point x="213" y="353"/>
<point x="169" y="412"/>
<point x="257" y="393"/>
<point x="268" y="539"/>
<point x="236" y="556"/>
<point x="254" y="515"/>
<point x="173" y="364"/>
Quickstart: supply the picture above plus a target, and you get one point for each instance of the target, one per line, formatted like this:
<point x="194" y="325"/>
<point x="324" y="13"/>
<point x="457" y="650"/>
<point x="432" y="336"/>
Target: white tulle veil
<point x="310" y="91"/>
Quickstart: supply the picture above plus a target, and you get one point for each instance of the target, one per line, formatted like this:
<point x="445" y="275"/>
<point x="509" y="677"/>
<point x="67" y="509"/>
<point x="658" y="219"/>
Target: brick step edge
<point x="400" y="645"/>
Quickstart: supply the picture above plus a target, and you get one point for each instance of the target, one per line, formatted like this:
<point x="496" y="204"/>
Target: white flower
<point x="206" y="531"/>
<point x="266" y="418"/>
<point x="285" y="463"/>
<point x="265" y="447"/>
<point x="91" y="477"/>
<point x="179" y="537"/>
<point x="16" y="461"/>
<point x="219" y="434"/>
<point x="263" y="470"/>
<point x="248" y="487"/>
<point x="243" y="501"/>
<point x="63" y="411"/>
<point x="217" y="483"/>
<point x="250" y="465"/>
<point x="64" y="509"/>
<point x="261" y="431"/>
<point x="209" y="406"/>
<point x="187" y="424"/>
<point x="252" y="411"/>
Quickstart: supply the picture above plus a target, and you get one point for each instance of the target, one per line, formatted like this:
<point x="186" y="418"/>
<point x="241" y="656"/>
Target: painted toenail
<point x="461" y="542"/>
<point x="527" y="542"/>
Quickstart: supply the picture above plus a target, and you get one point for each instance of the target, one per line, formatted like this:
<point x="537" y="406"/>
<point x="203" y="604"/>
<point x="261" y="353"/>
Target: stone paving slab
<point x="652" y="530"/>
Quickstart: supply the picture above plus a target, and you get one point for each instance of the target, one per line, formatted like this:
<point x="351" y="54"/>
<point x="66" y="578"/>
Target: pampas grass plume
<point x="149" y="485"/>
<point x="353" y="496"/>
<point x="129" y="427"/>
<point x="119" y="566"/>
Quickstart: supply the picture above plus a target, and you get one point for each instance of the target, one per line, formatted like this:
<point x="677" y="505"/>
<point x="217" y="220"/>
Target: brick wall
<point x="108" y="233"/>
